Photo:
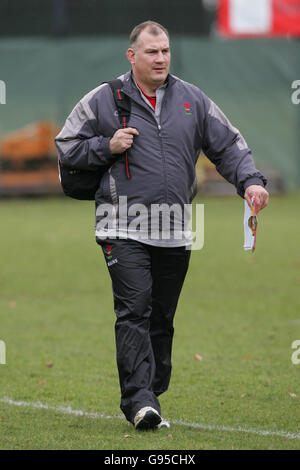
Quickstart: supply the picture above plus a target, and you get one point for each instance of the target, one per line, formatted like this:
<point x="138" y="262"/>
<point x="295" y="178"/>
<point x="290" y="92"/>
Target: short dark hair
<point x="154" y="28"/>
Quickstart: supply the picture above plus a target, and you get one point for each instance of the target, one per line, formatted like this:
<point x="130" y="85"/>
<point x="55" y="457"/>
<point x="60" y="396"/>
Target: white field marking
<point x="95" y="415"/>
<point x="61" y="409"/>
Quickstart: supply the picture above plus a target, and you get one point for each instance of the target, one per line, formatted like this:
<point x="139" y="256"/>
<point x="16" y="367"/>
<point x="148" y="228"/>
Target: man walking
<point x="152" y="163"/>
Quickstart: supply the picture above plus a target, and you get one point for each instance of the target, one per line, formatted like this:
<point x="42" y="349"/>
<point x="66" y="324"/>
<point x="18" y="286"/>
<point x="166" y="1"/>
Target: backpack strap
<point x="123" y="105"/>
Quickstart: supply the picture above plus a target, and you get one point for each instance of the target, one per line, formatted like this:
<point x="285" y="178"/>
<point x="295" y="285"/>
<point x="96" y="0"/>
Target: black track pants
<point x="146" y="282"/>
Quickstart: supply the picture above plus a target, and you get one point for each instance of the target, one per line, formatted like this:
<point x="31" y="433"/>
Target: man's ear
<point x="130" y="56"/>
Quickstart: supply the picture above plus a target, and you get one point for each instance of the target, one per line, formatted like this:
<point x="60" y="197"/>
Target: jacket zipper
<point x="161" y="143"/>
<point x="164" y="163"/>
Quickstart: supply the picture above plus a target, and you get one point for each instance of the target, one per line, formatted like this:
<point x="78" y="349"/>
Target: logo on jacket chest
<point x="187" y="107"/>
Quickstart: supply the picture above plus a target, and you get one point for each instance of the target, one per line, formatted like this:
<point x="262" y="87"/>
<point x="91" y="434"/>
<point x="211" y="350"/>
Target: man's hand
<point x="122" y="139"/>
<point x="261" y="196"/>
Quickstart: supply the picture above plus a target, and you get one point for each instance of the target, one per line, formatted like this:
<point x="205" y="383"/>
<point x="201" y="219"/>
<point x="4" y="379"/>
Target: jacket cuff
<point x="253" y="180"/>
<point x="105" y="147"/>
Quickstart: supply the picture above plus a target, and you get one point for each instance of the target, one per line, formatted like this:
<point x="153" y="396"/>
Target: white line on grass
<point x="208" y="427"/>
<point x="61" y="409"/>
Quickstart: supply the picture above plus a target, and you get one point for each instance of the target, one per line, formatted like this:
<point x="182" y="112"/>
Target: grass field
<point x="239" y="311"/>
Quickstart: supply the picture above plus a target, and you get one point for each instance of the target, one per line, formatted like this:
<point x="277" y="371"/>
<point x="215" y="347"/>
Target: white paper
<point x="249" y="238"/>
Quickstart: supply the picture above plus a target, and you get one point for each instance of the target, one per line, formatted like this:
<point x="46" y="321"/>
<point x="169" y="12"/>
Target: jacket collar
<point x="130" y="88"/>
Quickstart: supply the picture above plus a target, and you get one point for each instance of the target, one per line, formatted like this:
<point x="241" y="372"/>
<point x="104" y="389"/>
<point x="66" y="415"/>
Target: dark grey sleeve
<point x="227" y="149"/>
<point x="78" y="144"/>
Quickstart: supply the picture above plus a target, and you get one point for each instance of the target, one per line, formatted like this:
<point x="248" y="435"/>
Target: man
<point x="152" y="163"/>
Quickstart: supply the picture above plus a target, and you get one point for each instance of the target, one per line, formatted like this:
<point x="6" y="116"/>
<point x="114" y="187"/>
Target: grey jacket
<point x="163" y="156"/>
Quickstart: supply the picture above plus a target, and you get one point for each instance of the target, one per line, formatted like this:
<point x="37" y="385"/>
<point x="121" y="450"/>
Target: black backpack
<point x="83" y="184"/>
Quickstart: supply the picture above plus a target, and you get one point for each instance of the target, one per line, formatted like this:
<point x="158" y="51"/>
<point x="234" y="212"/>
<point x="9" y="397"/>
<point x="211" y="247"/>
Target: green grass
<point x="239" y="311"/>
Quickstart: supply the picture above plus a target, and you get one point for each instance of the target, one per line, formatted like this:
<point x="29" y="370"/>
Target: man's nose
<point x="159" y="57"/>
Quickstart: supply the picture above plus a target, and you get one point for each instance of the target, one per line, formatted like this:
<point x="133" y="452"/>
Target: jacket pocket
<point x="109" y="188"/>
<point x="193" y="189"/>
<point x="113" y="188"/>
<point x="104" y="187"/>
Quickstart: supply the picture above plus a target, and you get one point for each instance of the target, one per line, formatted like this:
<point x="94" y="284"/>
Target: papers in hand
<point x="250" y="225"/>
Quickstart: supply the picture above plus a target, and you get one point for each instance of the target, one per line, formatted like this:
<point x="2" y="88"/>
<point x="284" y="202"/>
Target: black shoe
<point x="147" y="418"/>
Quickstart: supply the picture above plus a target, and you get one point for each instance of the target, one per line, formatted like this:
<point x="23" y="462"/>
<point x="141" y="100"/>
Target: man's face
<point x="150" y="59"/>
